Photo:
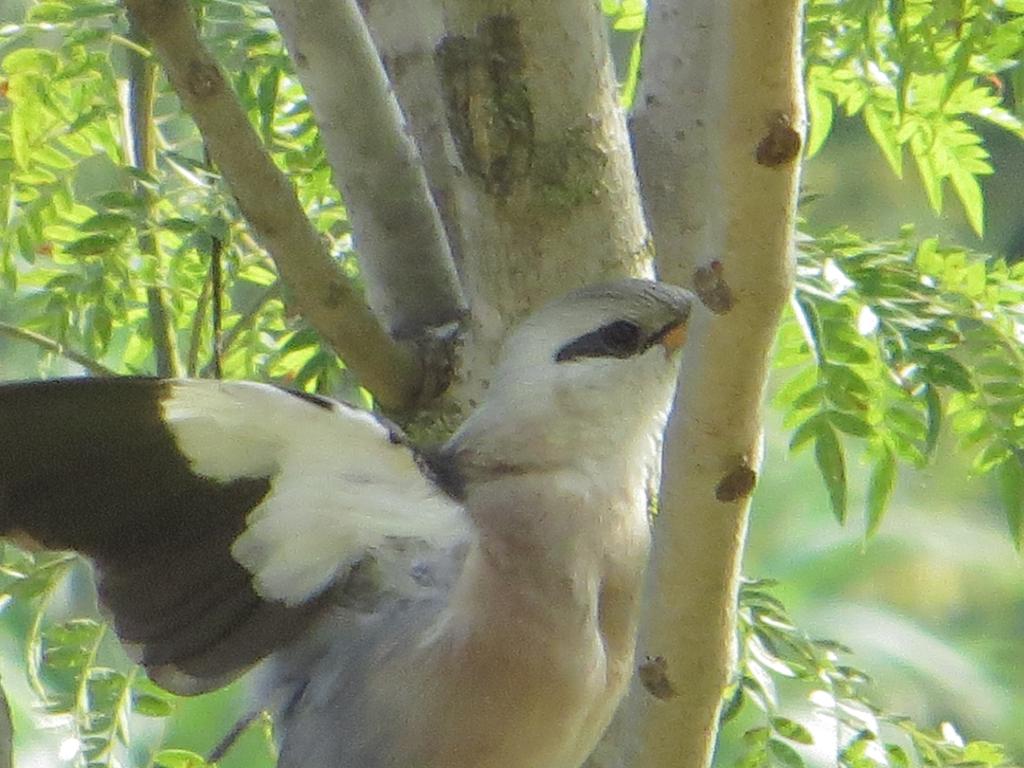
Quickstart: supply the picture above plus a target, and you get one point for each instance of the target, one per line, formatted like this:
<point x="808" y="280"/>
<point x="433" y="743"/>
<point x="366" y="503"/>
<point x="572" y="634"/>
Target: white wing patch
<point x="339" y="485"/>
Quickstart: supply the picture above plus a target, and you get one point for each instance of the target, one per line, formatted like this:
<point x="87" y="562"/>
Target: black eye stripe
<point x="619" y="339"/>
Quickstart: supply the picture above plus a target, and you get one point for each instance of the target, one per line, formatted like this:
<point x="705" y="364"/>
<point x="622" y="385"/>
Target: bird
<point x="468" y="605"/>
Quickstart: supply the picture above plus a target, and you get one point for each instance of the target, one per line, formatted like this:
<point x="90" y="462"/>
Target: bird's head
<point x="599" y="364"/>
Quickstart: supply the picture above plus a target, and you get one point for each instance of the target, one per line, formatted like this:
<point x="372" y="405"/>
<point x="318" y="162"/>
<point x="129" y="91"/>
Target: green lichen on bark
<point x="492" y="124"/>
<point x="488" y="107"/>
<point x="568" y="172"/>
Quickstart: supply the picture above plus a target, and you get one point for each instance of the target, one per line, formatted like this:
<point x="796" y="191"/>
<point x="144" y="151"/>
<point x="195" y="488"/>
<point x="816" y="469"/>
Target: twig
<point x="51" y="345"/>
<point x="196" y="336"/>
<point x="216" y="305"/>
<point x="231" y="737"/>
<point x="243" y="323"/>
<point x="393" y="371"/>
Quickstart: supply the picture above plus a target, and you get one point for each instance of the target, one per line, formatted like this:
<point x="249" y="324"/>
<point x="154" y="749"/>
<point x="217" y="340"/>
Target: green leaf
<point x="850" y="424"/>
<point x="994" y="454"/>
<point x="927" y="168"/>
<point x="882" y="127"/>
<point x="733" y="704"/>
<point x="178" y="224"/>
<point x="898" y="757"/>
<point x="151" y="706"/>
<point x="798" y="386"/>
<point x="784" y="755"/>
<point x="984" y="752"/>
<point x="30" y="61"/>
<point x="791" y="730"/>
<point x="828" y="454"/>
<point x="946" y="371"/>
<point x="1011" y="487"/>
<point x="934" y="413"/>
<point x="91" y="245"/>
<point x="266" y="100"/>
<point x="880" y="488"/>
<point x="50" y="12"/>
<point x="969" y="192"/>
<point x="810" y="322"/>
<point x="178" y="758"/>
<point x="821" y="114"/>
<point x="808" y="431"/>
<point x="107" y="222"/>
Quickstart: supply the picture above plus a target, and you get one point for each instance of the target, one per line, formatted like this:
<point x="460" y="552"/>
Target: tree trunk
<point x="718" y="142"/>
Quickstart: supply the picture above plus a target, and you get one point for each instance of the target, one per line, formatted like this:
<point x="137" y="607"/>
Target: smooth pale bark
<point x="544" y="196"/>
<point x="718" y="142"/>
<point x="407" y="37"/>
<point x="403" y="251"/>
<point x="392" y="371"/>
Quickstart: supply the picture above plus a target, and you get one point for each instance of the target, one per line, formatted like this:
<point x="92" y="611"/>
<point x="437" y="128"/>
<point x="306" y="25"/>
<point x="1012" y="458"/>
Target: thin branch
<point x="51" y="345"/>
<point x="216" y="306"/>
<point x="391" y="370"/>
<point x="162" y="330"/>
<point x="141" y="81"/>
<point x="195" y="338"/>
<point x="403" y="250"/>
<point x="244" y="323"/>
<point x="227" y="743"/>
<point x="718" y="141"/>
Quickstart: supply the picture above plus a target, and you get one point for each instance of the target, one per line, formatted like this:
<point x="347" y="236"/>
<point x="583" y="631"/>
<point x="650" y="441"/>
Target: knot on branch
<point x="781" y="144"/>
<point x="710" y="286"/>
<point x="653" y="674"/>
<point x="738" y="483"/>
<point x="203" y="79"/>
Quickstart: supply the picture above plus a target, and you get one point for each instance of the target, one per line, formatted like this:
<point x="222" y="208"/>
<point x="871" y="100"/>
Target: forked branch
<point x="393" y="371"/>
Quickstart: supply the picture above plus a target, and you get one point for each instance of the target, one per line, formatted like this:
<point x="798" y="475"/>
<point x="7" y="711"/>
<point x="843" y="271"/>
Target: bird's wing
<point x="223" y="516"/>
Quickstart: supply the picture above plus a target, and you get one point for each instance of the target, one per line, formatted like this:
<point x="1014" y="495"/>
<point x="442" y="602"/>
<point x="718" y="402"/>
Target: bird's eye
<point x="621" y="338"/>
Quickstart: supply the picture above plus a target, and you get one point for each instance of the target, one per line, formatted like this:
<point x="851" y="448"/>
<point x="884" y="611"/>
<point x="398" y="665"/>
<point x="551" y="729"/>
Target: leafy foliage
<point x="843" y="727"/>
<point x="70" y="665"/>
<point x="891" y="339"/>
<point x="921" y="74"/>
<point x="78" y="213"/>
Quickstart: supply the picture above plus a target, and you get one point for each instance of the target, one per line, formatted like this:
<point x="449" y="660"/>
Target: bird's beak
<point x="674" y="338"/>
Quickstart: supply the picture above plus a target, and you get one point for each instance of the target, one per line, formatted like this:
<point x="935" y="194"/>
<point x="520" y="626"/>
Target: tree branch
<point x="141" y="79"/>
<point x="242" y="324"/>
<point x="403" y="251"/>
<point x="51" y="345"/>
<point x="406" y="36"/>
<point x="671" y="133"/>
<point x="736" y="96"/>
<point x="391" y="370"/>
<point x="544" y="176"/>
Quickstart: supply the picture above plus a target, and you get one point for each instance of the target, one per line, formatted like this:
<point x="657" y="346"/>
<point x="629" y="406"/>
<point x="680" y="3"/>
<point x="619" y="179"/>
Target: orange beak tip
<point x="675" y="338"/>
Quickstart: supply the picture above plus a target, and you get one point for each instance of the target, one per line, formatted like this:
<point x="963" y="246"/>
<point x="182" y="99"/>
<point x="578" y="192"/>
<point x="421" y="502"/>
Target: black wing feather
<point x="89" y="465"/>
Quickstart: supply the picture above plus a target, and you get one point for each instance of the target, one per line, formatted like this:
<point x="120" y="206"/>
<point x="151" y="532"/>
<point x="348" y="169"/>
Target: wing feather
<point x="222" y="516"/>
